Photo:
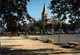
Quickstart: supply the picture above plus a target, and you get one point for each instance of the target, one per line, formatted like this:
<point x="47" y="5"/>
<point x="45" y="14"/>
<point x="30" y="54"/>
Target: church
<point x="49" y="22"/>
<point x="45" y="16"/>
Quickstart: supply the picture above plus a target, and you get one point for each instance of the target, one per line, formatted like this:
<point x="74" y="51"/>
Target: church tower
<point x="44" y="13"/>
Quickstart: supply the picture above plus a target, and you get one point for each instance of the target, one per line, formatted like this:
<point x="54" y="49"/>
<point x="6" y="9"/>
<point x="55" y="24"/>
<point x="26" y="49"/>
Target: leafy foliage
<point x="74" y="13"/>
<point x="13" y="11"/>
<point x="60" y="8"/>
<point x="64" y="9"/>
<point x="25" y="27"/>
<point x="39" y="26"/>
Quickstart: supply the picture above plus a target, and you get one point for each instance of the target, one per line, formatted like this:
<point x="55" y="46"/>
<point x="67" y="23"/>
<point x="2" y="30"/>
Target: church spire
<point x="44" y="13"/>
<point x="44" y="10"/>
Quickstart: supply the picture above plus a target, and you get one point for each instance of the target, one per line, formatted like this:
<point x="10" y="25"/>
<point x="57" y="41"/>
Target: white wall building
<point x="2" y="30"/>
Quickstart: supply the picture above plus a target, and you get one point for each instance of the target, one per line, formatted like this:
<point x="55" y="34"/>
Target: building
<point x="48" y="27"/>
<point x="45" y="16"/>
<point x="44" y="13"/>
<point x="48" y="21"/>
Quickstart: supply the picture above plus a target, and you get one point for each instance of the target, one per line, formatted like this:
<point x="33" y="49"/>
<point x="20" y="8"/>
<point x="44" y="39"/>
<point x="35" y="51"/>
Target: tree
<point x="74" y="11"/>
<point x="36" y="29"/>
<point x="25" y="27"/>
<point x="63" y="7"/>
<point x="38" y="26"/>
<point x="42" y="26"/>
<point x="60" y="9"/>
<point x="65" y="26"/>
<point x="13" y="11"/>
<point x="19" y="27"/>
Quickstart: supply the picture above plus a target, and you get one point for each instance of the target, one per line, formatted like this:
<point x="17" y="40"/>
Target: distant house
<point x="2" y="28"/>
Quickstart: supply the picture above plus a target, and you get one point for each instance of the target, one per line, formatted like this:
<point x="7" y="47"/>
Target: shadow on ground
<point x="6" y="50"/>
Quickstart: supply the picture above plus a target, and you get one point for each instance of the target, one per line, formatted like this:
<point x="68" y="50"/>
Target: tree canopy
<point x="64" y="9"/>
<point x="13" y="11"/>
<point x="74" y="11"/>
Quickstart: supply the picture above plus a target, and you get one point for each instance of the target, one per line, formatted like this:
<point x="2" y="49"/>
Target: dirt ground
<point x="25" y="46"/>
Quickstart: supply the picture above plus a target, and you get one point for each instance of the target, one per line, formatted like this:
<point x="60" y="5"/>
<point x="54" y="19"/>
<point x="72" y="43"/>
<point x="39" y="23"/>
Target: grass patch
<point x="20" y="36"/>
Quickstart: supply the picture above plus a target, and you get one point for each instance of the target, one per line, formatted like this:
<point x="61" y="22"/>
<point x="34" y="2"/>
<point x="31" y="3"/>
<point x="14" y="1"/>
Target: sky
<point x="35" y="8"/>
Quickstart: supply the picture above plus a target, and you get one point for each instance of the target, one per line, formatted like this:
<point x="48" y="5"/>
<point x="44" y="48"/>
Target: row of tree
<point x="42" y="27"/>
